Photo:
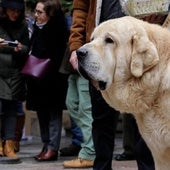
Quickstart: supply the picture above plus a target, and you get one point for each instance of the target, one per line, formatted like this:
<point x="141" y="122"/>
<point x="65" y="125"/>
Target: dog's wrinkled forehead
<point x="117" y="26"/>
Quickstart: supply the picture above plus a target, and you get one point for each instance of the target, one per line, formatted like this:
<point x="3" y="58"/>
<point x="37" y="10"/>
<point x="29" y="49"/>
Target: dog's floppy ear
<point x="144" y="55"/>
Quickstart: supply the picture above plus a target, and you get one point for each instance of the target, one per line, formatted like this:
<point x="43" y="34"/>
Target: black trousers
<point x="130" y="134"/>
<point x="103" y="130"/>
<point x="143" y="156"/>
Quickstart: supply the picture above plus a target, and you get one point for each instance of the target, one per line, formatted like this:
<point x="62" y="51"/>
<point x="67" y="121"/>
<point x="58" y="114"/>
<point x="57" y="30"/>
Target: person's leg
<point x="50" y="123"/>
<point x="79" y="106"/>
<point x="76" y="140"/>
<point x="9" y="119"/>
<point x="144" y="156"/>
<point x="85" y="120"/>
<point x="55" y="127"/>
<point x="129" y="138"/>
<point x="104" y="129"/>
<point x="43" y="119"/>
<point x="129" y="141"/>
<point x="19" y="126"/>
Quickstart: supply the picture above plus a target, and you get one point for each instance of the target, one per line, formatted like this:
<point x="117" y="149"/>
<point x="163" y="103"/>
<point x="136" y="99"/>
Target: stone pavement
<point x="32" y="146"/>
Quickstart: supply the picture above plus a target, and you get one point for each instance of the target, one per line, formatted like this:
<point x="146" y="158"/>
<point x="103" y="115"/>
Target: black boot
<point x="71" y="150"/>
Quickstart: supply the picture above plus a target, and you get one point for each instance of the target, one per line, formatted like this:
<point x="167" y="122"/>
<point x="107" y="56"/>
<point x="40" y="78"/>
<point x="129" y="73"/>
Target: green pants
<point x="78" y="103"/>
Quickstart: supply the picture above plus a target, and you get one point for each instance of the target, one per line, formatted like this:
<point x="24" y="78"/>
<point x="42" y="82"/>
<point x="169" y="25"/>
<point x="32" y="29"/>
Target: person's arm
<point x="78" y="28"/>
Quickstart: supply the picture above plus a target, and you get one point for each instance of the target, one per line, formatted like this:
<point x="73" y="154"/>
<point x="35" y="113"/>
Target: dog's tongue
<point x="102" y="85"/>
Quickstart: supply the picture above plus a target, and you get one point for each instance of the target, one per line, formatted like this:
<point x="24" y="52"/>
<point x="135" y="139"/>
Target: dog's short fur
<point x="129" y="61"/>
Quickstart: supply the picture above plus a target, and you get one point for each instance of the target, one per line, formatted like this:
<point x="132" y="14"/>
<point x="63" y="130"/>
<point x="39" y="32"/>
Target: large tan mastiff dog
<point x="129" y="61"/>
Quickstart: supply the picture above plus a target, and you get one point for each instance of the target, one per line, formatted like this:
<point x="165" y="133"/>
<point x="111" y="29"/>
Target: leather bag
<point x="36" y="67"/>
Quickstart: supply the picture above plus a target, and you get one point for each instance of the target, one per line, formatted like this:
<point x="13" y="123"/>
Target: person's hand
<point x="18" y="47"/>
<point x="2" y="43"/>
<point x="73" y="60"/>
<point x="1" y="40"/>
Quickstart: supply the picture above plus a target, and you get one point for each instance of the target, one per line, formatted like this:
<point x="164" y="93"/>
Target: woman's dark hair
<point x="50" y="6"/>
<point x="4" y="17"/>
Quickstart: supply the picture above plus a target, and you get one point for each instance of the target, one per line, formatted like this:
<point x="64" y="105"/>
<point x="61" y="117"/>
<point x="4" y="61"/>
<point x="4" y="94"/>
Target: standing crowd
<point x="93" y="121"/>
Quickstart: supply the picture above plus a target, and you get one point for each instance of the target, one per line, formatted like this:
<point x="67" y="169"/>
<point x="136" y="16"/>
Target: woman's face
<point x="40" y="15"/>
<point x="13" y="14"/>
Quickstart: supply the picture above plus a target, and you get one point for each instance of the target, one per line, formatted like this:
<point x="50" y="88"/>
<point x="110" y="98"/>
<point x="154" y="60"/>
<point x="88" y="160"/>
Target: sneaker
<point x="71" y="150"/>
<point x="78" y="163"/>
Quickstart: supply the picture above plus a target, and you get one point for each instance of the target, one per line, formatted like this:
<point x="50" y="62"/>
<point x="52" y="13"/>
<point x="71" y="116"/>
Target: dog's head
<point x="119" y="48"/>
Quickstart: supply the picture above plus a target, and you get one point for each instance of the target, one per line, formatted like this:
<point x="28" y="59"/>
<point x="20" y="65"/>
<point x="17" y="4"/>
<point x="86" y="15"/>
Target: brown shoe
<point x="78" y="163"/>
<point x="50" y="155"/>
<point x="43" y="151"/>
<point x="9" y="149"/>
<point x="16" y="146"/>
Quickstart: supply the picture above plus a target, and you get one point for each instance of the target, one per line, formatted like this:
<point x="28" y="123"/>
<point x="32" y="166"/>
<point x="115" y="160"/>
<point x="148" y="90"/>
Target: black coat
<point x="50" y="41"/>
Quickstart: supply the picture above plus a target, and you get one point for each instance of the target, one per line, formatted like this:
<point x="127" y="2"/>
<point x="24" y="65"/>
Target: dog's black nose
<point x="81" y="53"/>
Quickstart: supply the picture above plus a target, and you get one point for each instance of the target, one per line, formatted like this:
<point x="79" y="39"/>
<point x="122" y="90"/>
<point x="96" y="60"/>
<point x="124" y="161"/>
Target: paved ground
<point x="31" y="147"/>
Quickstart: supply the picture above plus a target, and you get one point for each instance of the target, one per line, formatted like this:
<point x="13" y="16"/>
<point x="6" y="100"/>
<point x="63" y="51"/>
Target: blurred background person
<point x="13" y="27"/>
<point x="85" y="15"/>
<point x="66" y="68"/>
<point x="46" y="96"/>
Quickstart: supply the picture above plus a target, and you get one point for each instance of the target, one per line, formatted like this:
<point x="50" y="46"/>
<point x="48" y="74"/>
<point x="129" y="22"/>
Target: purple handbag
<point x="36" y="67"/>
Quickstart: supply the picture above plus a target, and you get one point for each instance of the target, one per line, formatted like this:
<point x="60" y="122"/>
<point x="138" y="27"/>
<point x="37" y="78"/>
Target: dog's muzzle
<point x="81" y="55"/>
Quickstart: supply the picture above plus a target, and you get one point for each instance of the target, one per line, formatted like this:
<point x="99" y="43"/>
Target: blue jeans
<point x="8" y="119"/>
<point x="78" y="103"/>
<point x="77" y="137"/>
<point x="20" y="109"/>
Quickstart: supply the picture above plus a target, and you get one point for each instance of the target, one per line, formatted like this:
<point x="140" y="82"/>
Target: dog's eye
<point x="108" y="40"/>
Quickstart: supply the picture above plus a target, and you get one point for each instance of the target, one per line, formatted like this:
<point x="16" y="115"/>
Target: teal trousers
<point x="78" y="103"/>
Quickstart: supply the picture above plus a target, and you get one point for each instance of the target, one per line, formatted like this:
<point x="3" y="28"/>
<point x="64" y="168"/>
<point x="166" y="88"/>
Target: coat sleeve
<point x="78" y="29"/>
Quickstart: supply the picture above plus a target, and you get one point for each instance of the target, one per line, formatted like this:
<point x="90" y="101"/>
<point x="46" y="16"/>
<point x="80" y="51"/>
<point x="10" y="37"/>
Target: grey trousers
<point x="50" y="123"/>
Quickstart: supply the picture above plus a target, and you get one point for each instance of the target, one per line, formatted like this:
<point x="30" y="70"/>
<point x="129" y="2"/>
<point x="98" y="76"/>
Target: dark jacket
<point x="49" y="42"/>
<point x="12" y="83"/>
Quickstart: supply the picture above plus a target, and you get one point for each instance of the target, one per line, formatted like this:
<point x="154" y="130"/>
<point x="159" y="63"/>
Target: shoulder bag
<point x="36" y="67"/>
